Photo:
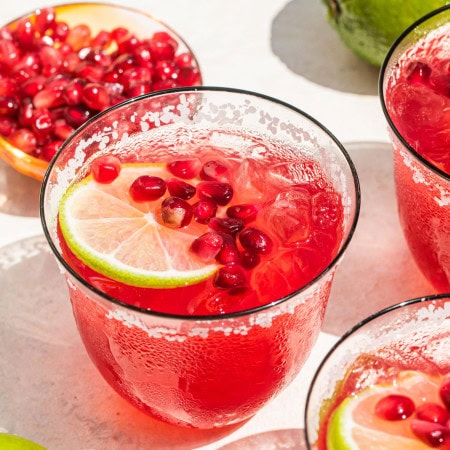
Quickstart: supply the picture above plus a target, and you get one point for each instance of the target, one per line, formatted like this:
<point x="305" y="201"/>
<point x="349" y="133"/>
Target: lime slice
<point x="13" y="442"/>
<point x="123" y="239"/>
<point x="354" y="426"/>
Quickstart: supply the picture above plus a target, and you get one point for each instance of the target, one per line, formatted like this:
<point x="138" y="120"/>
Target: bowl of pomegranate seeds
<point x="61" y="65"/>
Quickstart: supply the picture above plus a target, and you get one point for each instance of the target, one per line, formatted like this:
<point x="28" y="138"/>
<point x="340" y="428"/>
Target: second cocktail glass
<point x="213" y="367"/>
<point x="415" y="96"/>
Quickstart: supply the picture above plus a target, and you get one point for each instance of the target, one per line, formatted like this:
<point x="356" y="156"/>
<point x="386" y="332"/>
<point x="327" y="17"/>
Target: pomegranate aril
<point x="48" y="98"/>
<point x="42" y="123"/>
<point x="188" y="76"/>
<point x="226" y="225"/>
<point x="49" y="150"/>
<point x="185" y="168"/>
<point x="230" y="276"/>
<point x="161" y="50"/>
<point x="73" y="91"/>
<point x="7" y="126"/>
<point x="33" y="85"/>
<point x="432" y="434"/>
<point x="246" y="212"/>
<point x="89" y="71"/>
<point x="444" y="393"/>
<point x="218" y="192"/>
<point x="207" y="245"/>
<point x="204" y="210"/>
<point x="9" y="105"/>
<point x="229" y="252"/>
<point x="62" y="129"/>
<point x="77" y="115"/>
<point x="179" y="188"/>
<point x="105" y="169"/>
<point x="256" y="240"/>
<point x="160" y="85"/>
<point x="249" y="259"/>
<point x="24" y="139"/>
<point x="432" y="412"/>
<point x="103" y="39"/>
<point x="166" y="70"/>
<point x="79" y="36"/>
<point x="184" y="59"/>
<point x="147" y="188"/>
<point x="394" y="407"/>
<point x="44" y="19"/>
<point x="176" y="212"/>
<point x="215" y="171"/>
<point x="419" y="72"/>
<point x="95" y="96"/>
<point x="60" y="33"/>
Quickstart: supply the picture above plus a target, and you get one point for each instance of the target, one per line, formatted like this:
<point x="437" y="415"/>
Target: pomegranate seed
<point x="184" y="59"/>
<point x="105" y="169"/>
<point x="143" y="56"/>
<point x="49" y="150"/>
<point x="119" y="34"/>
<point x="42" y="123"/>
<point x="229" y="252"/>
<point x="102" y="40"/>
<point x="419" y="72"/>
<point x="62" y="129"/>
<point x="207" y="245"/>
<point x="25" y="33"/>
<point x="161" y="50"/>
<point x="230" y="276"/>
<point x="444" y="393"/>
<point x="95" y="96"/>
<point x="226" y="225"/>
<point x="60" y="33"/>
<point x="432" y="434"/>
<point x="245" y="212"/>
<point x="9" y="106"/>
<point x="161" y="85"/>
<point x="90" y="72"/>
<point x="8" y="86"/>
<point x="188" y="76"/>
<point x="220" y="193"/>
<point x="147" y="188"/>
<point x="176" y="212"/>
<point x="166" y="70"/>
<point x="95" y="56"/>
<point x="24" y="139"/>
<point x="394" y="407"/>
<point x="204" y="210"/>
<point x="73" y="91"/>
<point x="185" y="168"/>
<point x="33" y="85"/>
<point x="140" y="89"/>
<point x="256" y="240"/>
<point x="179" y="188"/>
<point x="7" y="126"/>
<point x="79" y="36"/>
<point x="249" y="259"/>
<point x="432" y="412"/>
<point x="215" y="171"/>
<point x="48" y="98"/>
<point x="77" y="115"/>
<point x="44" y="19"/>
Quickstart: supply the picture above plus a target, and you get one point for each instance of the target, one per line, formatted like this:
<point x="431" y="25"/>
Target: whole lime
<point x="369" y="27"/>
<point x="13" y="442"/>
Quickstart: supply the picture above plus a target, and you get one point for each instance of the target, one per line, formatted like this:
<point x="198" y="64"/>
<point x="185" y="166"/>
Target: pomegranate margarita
<point x="386" y="383"/>
<point x="200" y="241"/>
<point x="415" y="94"/>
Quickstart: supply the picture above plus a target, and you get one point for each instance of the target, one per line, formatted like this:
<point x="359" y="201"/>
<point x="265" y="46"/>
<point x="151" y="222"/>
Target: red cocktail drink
<point x="415" y="93"/>
<point x="386" y="383"/>
<point x="200" y="316"/>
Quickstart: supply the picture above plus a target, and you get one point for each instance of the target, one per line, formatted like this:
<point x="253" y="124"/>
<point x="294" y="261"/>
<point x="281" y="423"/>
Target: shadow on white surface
<point x="290" y="439"/>
<point x="19" y="194"/>
<point x="377" y="270"/>
<point x="303" y="40"/>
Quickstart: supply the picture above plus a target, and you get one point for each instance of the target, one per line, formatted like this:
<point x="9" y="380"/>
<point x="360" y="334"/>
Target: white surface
<point x="280" y="48"/>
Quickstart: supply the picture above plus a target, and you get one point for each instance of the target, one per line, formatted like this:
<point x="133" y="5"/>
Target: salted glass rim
<point x="381" y="85"/>
<point x="349" y="333"/>
<point x="203" y="318"/>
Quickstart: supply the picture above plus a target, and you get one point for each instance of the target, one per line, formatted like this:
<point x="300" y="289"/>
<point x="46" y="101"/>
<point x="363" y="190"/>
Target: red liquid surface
<point x="304" y="220"/>
<point x="217" y="377"/>
<point x="418" y="101"/>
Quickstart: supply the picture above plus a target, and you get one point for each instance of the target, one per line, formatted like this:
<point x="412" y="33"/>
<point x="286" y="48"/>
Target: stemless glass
<point x="422" y="186"/>
<point x="200" y="371"/>
<point x="412" y="335"/>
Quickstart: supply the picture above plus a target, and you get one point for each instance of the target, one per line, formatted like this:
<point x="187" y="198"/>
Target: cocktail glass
<point x="412" y="335"/>
<point x="200" y="371"/>
<point x="419" y="128"/>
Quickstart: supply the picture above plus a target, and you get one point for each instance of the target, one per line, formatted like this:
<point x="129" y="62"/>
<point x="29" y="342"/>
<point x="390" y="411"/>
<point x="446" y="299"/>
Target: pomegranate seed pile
<point x="53" y="77"/>
<point x="230" y="239"/>
<point x="430" y="422"/>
